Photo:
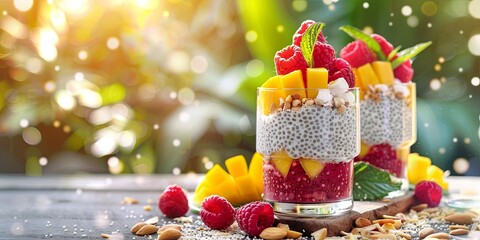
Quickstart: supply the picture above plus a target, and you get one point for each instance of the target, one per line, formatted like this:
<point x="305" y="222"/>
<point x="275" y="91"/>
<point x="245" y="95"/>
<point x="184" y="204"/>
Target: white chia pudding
<point x="386" y="119"/>
<point x="314" y="132"/>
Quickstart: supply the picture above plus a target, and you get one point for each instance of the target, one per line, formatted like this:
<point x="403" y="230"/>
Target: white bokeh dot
<point x="461" y="165"/>
<point x="176" y="171"/>
<point x="176" y="142"/>
<point x="474" y="45"/>
<point x="473" y="8"/>
<point x="251" y="36"/>
<point x="366" y="5"/>
<point x="455" y="140"/>
<point x="435" y="84"/>
<point x="113" y="43"/>
<point x="429" y="25"/>
<point x="43" y="161"/>
<point x="412" y="21"/>
<point x="24" y="123"/>
<point x="406" y="10"/>
<point x="475" y="81"/>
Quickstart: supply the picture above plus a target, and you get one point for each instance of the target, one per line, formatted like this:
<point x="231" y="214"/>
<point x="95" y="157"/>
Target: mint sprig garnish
<point x="360" y="35"/>
<point x="409" y="53"/>
<point x="371" y="183"/>
<point x="308" y="41"/>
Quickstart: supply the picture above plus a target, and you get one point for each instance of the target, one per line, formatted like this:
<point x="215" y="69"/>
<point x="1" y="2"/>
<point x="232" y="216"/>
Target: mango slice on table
<point x="367" y="76"/>
<point x="312" y="167"/>
<point x="237" y="166"/>
<point x="256" y="171"/>
<point x="384" y="72"/>
<point x="229" y="191"/>
<point x="417" y="168"/>
<point x="316" y="78"/>
<point x="282" y="162"/>
<point x="267" y="98"/>
<point x="248" y="193"/>
<point x="293" y="80"/>
<point x="434" y="172"/>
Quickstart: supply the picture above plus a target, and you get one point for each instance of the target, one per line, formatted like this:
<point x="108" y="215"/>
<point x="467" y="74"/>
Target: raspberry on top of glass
<point x="308" y="123"/>
<point x="384" y="75"/>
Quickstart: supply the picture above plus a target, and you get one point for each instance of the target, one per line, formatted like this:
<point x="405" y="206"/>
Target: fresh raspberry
<point x="340" y="68"/>
<point x="297" y="37"/>
<point x="384" y="44"/>
<point x="428" y="192"/>
<point x="254" y="217"/>
<point x="404" y="72"/>
<point x="217" y="212"/>
<point x="357" y="54"/>
<point x="385" y="157"/>
<point x="323" y="54"/>
<point x="289" y="59"/>
<point x="173" y="202"/>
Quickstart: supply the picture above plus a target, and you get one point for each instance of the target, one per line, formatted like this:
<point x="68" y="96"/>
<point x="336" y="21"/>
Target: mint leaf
<point x="409" y="53"/>
<point x="308" y="41"/>
<point x="392" y="53"/>
<point x="360" y="35"/>
<point x="371" y="183"/>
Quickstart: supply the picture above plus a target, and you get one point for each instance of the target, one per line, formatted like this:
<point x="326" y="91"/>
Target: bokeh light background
<point x="168" y="86"/>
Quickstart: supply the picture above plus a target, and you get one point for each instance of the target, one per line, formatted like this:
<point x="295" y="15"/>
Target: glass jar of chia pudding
<point x="308" y="139"/>
<point x="388" y="128"/>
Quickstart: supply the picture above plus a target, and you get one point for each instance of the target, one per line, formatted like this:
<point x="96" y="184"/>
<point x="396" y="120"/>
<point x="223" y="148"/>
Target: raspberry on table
<point x="289" y="59"/>
<point x="173" y="202"/>
<point x="323" y="54"/>
<point x="297" y="37"/>
<point x="254" y="217"/>
<point x="428" y="192"/>
<point x="357" y="54"/>
<point x="340" y="68"/>
<point x="217" y="213"/>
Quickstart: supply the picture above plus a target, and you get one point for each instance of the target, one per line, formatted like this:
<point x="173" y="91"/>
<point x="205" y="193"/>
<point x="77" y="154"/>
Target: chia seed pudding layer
<point x="313" y="132"/>
<point x="386" y="121"/>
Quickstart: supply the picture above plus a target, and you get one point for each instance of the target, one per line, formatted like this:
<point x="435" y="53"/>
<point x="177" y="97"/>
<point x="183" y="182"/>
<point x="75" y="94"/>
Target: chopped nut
<point x="288" y="99"/>
<point x="440" y="235"/>
<point x="426" y="232"/>
<point x="459" y="232"/>
<point x="152" y="221"/>
<point x="362" y="222"/>
<point x="287" y="106"/>
<point x="164" y="227"/>
<point x="283" y="226"/>
<point x="385" y="236"/>
<point x="388" y="226"/>
<point x="420" y="207"/>
<point x="453" y="227"/>
<point x="296" y="96"/>
<point x="320" y="234"/>
<point x="147" y="208"/>
<point x="304" y="100"/>
<point x="383" y="221"/>
<point x="296" y="108"/>
<point x="273" y="233"/>
<point x="459" y="218"/>
<point x="296" y="103"/>
<point x="319" y="102"/>
<point x="338" y="101"/>
<point x="129" y="200"/>
<point x="104" y="235"/>
<point x="309" y="102"/>
<point x="341" y="109"/>
<point x="293" y="234"/>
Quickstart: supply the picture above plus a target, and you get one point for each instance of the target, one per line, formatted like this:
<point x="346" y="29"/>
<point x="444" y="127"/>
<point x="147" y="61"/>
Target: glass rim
<point x="300" y="89"/>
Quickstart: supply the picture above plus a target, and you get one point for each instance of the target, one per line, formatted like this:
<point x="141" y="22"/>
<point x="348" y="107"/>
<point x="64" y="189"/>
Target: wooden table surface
<point x="84" y="206"/>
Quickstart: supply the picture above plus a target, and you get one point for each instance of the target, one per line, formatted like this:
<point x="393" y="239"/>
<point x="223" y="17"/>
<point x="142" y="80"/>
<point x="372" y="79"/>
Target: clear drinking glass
<point x="388" y="128"/>
<point x="308" y="146"/>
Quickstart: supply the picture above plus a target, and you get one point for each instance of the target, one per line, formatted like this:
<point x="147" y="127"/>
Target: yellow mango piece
<point x="200" y="194"/>
<point x="237" y="166"/>
<point x="282" y="162"/>
<point x="256" y="171"/>
<point x="247" y="192"/>
<point x="293" y="80"/>
<point x="434" y="172"/>
<point x="384" y="72"/>
<point x="367" y="76"/>
<point x="364" y="149"/>
<point x="217" y="174"/>
<point x="316" y="78"/>
<point x="417" y="167"/>
<point x="229" y="191"/>
<point x="268" y="97"/>
<point x="402" y="153"/>
<point x="312" y="167"/>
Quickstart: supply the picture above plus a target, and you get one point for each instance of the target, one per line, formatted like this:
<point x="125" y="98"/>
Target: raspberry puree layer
<point x="334" y="183"/>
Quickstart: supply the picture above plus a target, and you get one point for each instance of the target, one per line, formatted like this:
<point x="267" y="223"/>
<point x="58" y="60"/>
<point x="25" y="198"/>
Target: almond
<point x="383" y="221"/>
<point x="272" y="233"/>
<point x="362" y="222"/>
<point x="440" y="235"/>
<point x="397" y="224"/>
<point x="137" y="226"/>
<point x="104" y="235"/>
<point x="293" y="234"/>
<point x="420" y="207"/>
<point x="426" y="232"/>
<point x="152" y="221"/>
<point x="459" y="232"/>
<point x="147" y="230"/>
<point x="459" y="218"/>
<point x="170" y="234"/>
<point x="385" y="236"/>
<point x="320" y="234"/>
<point x="453" y="227"/>
<point x="164" y="227"/>
<point x="283" y="226"/>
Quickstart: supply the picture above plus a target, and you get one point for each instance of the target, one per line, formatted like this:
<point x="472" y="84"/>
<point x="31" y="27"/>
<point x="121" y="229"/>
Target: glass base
<point x="312" y="209"/>
<point x="403" y="189"/>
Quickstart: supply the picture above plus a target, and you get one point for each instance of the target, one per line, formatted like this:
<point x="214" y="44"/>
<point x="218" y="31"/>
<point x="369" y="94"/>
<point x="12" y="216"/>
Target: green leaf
<point x="392" y="53"/>
<point x="360" y="35"/>
<point x="371" y="183"/>
<point x="308" y="41"/>
<point x="409" y="53"/>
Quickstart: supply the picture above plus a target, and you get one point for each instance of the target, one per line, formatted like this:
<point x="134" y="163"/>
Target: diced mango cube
<point x="402" y="153"/>
<point x="247" y="192"/>
<point x="434" y="172"/>
<point x="282" y="162"/>
<point x="316" y="78"/>
<point x="384" y="72"/>
<point x="237" y="166"/>
<point x="364" y="149"/>
<point x="312" y="167"/>
<point x="229" y="191"/>
<point x="269" y="97"/>
<point x="367" y="76"/>
<point x="294" y="80"/>
<point x="217" y="174"/>
<point x="417" y="167"/>
<point x="256" y="171"/>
